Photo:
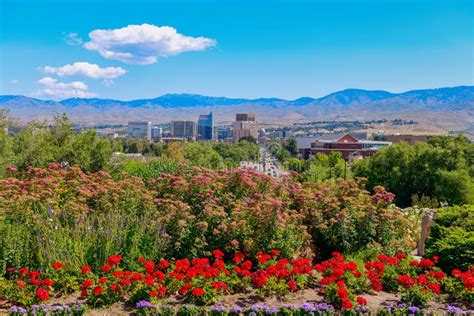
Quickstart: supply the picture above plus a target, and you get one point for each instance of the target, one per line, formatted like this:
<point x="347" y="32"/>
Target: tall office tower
<point x="245" y="126"/>
<point x="183" y="129"/>
<point x="156" y="133"/>
<point x="205" y="127"/>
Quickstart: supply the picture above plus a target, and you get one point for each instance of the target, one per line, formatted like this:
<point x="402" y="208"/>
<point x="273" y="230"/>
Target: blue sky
<point x="242" y="48"/>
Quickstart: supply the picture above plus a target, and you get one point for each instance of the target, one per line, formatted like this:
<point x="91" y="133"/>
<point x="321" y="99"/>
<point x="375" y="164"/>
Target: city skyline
<point x="243" y="49"/>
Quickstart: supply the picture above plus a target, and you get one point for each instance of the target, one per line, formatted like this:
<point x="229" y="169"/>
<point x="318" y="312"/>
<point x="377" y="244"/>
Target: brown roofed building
<point x="349" y="147"/>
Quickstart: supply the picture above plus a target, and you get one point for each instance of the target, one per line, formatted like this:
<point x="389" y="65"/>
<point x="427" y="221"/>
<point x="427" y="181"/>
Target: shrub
<point x="345" y="217"/>
<point x="75" y="217"/>
<point x="230" y="210"/>
<point x="452" y="238"/>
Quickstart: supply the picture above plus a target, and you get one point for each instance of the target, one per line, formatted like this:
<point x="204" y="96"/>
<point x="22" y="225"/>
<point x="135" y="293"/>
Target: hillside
<point x="446" y="108"/>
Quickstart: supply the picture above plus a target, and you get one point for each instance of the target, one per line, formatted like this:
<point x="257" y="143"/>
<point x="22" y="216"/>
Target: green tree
<point x="291" y="146"/>
<point x="324" y="167"/>
<point x="202" y="155"/>
<point x="439" y="170"/>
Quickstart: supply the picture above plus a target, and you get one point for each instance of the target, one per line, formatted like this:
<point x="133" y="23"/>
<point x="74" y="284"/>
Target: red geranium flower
<point x="361" y="300"/>
<point x="435" y="287"/>
<point x="275" y="252"/>
<point x="57" y="265"/>
<point x="98" y="290"/>
<point x="115" y="287"/>
<point x="48" y="282"/>
<point x="42" y="294"/>
<point x="149" y="266"/>
<point x="113" y="260"/>
<point x="164" y="264"/>
<point x="106" y="268"/>
<point x="292" y="285"/>
<point x="346" y="304"/>
<point x="218" y="254"/>
<point x="87" y="283"/>
<point x="86" y="269"/>
<point x="238" y="257"/>
<point x="185" y="289"/>
<point x="198" y="291"/>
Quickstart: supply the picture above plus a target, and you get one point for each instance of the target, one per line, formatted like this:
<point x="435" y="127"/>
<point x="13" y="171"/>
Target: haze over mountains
<point x="447" y="108"/>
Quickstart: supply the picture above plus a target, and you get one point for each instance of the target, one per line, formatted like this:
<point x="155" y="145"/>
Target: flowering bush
<point x="346" y="218"/>
<point x="230" y="210"/>
<point x="75" y="217"/>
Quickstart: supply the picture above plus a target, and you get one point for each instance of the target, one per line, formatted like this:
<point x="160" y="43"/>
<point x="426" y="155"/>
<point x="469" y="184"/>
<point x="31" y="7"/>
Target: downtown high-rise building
<point x="245" y="126"/>
<point x="183" y="129"/>
<point x="205" y="127"/>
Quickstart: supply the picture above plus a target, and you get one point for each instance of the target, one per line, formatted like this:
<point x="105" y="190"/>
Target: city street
<point x="267" y="164"/>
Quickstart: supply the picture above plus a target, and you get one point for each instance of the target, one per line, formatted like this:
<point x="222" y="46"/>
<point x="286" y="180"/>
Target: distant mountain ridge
<point x="459" y="95"/>
<point x="451" y="104"/>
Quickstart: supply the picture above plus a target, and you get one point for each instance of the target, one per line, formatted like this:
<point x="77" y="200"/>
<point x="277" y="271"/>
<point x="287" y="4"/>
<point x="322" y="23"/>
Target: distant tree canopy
<point x="284" y="149"/>
<point x="441" y="170"/>
<point x="40" y="143"/>
<point x="250" y="139"/>
<point x="321" y="167"/>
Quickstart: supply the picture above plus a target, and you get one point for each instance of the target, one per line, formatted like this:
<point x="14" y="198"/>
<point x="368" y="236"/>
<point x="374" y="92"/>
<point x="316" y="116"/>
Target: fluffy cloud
<point x="72" y="39"/>
<point x="56" y="90"/>
<point x="14" y="81"/>
<point x="86" y="69"/>
<point x="144" y="44"/>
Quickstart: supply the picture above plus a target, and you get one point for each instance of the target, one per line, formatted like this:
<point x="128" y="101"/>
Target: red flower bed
<point x="204" y="280"/>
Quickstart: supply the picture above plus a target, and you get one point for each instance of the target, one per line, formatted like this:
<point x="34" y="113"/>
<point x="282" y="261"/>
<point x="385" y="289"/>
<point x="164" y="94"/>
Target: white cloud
<point x="144" y="44"/>
<point x="72" y="38"/>
<point x="14" y="81"/>
<point x="86" y="69"/>
<point x="57" y="90"/>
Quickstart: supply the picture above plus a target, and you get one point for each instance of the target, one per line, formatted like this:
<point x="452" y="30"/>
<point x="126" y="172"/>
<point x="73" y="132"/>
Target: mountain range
<point x="447" y="108"/>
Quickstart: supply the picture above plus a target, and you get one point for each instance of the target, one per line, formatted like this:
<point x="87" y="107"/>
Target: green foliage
<point x="416" y="296"/>
<point x="321" y="167"/>
<point x="79" y="218"/>
<point x="452" y="238"/>
<point x="203" y="155"/>
<point x="233" y="154"/>
<point x="40" y="144"/>
<point x="325" y="167"/>
<point x="441" y="169"/>
<point x="145" y="170"/>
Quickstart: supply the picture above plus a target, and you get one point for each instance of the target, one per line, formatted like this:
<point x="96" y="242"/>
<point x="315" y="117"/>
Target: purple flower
<point x="17" y="309"/>
<point x="412" y="310"/>
<point x="218" y="308"/>
<point x="144" y="304"/>
<point x="271" y="310"/>
<point x="453" y="309"/>
<point x="237" y="310"/>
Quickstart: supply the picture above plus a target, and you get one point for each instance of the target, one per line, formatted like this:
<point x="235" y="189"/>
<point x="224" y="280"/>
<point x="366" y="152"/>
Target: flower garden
<point x="188" y="243"/>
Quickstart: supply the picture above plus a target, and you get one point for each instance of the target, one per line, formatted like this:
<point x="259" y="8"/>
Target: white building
<point x="139" y="129"/>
